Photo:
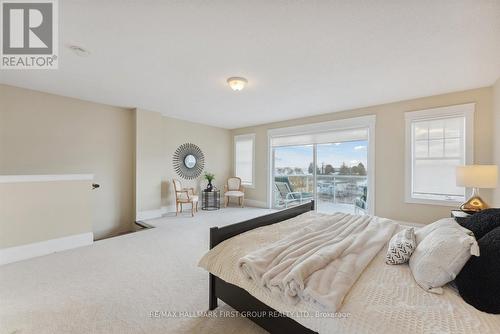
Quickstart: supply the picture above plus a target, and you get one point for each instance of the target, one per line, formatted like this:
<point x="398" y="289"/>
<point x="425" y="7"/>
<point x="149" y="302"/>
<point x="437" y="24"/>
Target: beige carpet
<point x="129" y="284"/>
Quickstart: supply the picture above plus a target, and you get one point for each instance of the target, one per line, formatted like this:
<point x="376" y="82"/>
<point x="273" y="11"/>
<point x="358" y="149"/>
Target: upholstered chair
<point x="184" y="196"/>
<point x="234" y="188"/>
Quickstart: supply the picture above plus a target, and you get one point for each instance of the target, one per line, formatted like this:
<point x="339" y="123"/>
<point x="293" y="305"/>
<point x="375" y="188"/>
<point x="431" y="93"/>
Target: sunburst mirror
<point x="189" y="161"/>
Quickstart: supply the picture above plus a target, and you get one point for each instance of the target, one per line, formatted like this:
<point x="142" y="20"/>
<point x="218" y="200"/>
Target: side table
<point x="210" y="200"/>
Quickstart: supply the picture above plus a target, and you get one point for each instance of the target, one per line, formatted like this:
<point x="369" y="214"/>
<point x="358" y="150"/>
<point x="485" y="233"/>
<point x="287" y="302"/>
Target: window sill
<point x="248" y="186"/>
<point x="433" y="202"/>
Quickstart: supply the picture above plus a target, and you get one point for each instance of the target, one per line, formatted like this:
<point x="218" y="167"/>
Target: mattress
<point x="385" y="299"/>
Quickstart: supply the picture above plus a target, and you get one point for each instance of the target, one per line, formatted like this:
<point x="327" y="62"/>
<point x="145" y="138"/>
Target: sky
<point x="351" y="153"/>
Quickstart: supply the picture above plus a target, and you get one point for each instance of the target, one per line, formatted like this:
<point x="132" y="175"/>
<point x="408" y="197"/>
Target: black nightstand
<point x="459" y="213"/>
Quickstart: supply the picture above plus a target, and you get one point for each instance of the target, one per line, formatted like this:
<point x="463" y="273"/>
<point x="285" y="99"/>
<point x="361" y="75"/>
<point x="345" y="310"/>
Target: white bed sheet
<point x="385" y="299"/>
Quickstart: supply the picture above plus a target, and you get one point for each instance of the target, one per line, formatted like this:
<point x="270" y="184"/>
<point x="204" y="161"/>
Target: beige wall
<point x="150" y="160"/>
<point x="48" y="134"/>
<point x="496" y="136"/>
<point x="390" y="150"/>
<point x="38" y="211"/>
<point x="157" y="139"/>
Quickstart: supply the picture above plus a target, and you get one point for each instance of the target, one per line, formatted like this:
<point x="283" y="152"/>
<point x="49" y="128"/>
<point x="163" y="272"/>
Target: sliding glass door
<point x="293" y="175"/>
<point x="331" y="167"/>
<point x="341" y="176"/>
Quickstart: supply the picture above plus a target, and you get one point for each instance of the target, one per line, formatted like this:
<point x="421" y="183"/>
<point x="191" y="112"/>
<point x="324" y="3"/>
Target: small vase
<point x="210" y="187"/>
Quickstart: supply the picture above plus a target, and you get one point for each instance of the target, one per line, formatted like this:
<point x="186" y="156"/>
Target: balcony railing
<point x="331" y="189"/>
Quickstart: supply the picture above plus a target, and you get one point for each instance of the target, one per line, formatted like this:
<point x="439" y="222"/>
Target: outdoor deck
<point x="329" y="207"/>
<point x="335" y="193"/>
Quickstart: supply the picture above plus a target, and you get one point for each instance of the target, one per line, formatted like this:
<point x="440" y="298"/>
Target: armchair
<point x="360" y="202"/>
<point x="286" y="195"/>
<point x="234" y="188"/>
<point x="184" y="196"/>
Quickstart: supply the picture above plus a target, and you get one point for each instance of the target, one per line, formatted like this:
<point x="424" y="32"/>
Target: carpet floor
<point x="144" y="282"/>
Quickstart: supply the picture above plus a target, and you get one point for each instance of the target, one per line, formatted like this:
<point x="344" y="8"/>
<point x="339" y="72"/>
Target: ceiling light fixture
<point x="237" y="83"/>
<point x="79" y="50"/>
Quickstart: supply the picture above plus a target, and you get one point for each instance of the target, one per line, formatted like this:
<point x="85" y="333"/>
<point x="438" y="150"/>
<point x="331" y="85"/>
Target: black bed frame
<point x="240" y="299"/>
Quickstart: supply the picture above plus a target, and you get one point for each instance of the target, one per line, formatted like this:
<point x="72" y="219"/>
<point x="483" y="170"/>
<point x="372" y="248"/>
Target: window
<point x="244" y="148"/>
<point x="437" y="141"/>
<point x="331" y="162"/>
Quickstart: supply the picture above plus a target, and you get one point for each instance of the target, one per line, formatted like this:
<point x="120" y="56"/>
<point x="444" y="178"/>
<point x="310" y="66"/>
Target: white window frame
<point x="464" y="110"/>
<point x="336" y="125"/>
<point x="239" y="137"/>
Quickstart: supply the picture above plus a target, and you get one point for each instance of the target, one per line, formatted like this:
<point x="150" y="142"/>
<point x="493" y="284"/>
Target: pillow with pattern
<point x="401" y="247"/>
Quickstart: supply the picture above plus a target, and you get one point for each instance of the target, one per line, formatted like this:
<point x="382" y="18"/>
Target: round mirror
<point x="190" y="161"/>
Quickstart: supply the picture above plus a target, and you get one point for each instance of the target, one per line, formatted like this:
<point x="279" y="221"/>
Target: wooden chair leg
<point x="181" y="207"/>
<point x="239" y="201"/>
<point x="192" y="209"/>
<point x="176" y="208"/>
<point x="242" y="201"/>
<point x="225" y="201"/>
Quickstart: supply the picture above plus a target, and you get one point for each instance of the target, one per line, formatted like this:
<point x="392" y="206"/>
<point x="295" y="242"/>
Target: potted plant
<point x="209" y="177"/>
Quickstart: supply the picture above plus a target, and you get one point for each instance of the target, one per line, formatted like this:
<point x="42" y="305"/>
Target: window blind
<point x="243" y="151"/>
<point x="438" y="148"/>
<point x="336" y="136"/>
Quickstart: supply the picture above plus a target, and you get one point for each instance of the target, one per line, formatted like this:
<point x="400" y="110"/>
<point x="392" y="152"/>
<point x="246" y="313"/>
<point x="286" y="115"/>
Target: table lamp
<point x="475" y="177"/>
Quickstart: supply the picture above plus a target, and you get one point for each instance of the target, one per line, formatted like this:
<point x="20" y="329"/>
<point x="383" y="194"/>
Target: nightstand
<point x="459" y="213"/>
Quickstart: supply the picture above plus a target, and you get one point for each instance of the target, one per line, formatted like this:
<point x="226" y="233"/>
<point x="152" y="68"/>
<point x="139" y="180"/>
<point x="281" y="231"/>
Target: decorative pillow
<point x="422" y="232"/>
<point x="441" y="254"/>
<point x="482" y="222"/>
<point x="478" y="282"/>
<point x="401" y="247"/>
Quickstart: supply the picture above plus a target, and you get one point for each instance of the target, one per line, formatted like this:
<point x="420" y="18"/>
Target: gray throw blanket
<point x="320" y="262"/>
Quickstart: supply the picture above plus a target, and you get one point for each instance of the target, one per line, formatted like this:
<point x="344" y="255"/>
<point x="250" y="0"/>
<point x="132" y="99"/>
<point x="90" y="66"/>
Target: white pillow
<point x="421" y="233"/>
<point x="442" y="250"/>
<point x="401" y="246"/>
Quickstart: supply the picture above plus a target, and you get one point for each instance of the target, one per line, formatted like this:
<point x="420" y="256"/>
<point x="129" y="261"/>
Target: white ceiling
<point x="301" y="57"/>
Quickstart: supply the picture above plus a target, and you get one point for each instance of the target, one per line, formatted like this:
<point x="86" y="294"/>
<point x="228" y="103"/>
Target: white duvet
<point x="321" y="261"/>
<point x="385" y="299"/>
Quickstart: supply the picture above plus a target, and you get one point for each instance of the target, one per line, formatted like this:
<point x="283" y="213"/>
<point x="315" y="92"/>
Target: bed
<point x="384" y="299"/>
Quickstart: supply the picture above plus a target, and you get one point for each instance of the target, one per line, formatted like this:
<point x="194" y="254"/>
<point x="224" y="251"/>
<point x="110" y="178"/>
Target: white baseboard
<point x="23" y="252"/>
<point x="154" y="214"/>
<point x="148" y="214"/>
<point x="151" y="214"/>
<point x="170" y="209"/>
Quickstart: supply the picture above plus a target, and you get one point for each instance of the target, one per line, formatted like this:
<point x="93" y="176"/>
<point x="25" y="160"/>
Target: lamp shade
<point x="477" y="176"/>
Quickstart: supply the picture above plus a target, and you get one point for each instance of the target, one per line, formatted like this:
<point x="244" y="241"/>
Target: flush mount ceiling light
<point x="237" y="83"/>
<point x="79" y="50"/>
